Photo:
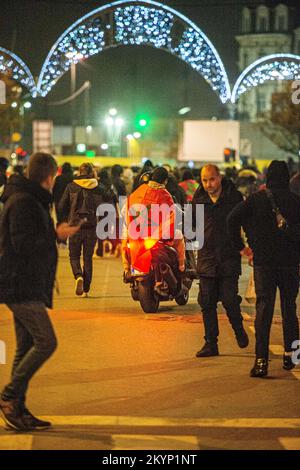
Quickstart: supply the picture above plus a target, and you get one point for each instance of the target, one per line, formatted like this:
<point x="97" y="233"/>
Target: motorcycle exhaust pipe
<point x="168" y="276"/>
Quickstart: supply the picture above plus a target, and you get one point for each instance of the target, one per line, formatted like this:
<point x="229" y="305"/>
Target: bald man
<point x="219" y="264"/>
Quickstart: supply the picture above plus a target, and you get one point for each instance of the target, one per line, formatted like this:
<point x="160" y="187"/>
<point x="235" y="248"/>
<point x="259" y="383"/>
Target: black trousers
<point x="267" y="279"/>
<point x="36" y="342"/>
<point x="211" y="290"/>
<point x="85" y="241"/>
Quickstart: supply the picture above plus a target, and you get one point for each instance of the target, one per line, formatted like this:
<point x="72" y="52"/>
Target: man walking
<point x="219" y="265"/>
<point x="79" y="205"/>
<point x="28" y="259"/>
<point x="271" y="220"/>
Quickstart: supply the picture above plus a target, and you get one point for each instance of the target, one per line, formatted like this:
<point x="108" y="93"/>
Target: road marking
<point x="137" y="421"/>
<point x="296" y="373"/>
<point x="16" y="442"/>
<point x="290" y="443"/>
<point x="154" y="441"/>
<point x="276" y="349"/>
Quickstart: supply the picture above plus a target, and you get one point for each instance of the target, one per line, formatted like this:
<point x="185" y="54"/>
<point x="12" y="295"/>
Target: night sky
<point x="134" y="79"/>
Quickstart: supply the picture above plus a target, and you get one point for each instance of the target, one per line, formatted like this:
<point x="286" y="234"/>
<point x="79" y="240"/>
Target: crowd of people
<point x="245" y="213"/>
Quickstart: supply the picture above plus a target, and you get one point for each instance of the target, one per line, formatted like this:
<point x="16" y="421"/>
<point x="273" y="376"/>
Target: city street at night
<point x="121" y="379"/>
<point x="133" y="131"/>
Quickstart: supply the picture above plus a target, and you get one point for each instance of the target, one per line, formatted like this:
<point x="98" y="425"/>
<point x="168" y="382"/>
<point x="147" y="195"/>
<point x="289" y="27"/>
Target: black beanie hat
<point x="278" y="175"/>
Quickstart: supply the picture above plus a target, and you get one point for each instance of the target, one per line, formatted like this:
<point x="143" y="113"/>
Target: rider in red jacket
<point x="142" y="223"/>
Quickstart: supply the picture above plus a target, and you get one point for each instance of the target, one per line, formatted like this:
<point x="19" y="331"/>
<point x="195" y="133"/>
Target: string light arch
<point x="133" y="22"/>
<point x="268" y="68"/>
<point x="16" y="69"/>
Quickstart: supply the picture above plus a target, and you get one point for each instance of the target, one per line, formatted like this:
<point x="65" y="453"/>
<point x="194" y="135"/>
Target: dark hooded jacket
<point x="217" y="257"/>
<point x="271" y="246"/>
<point x="73" y="197"/>
<point x="28" y="254"/>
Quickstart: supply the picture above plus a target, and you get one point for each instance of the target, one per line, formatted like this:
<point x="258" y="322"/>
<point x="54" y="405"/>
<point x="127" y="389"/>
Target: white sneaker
<point x="79" y="286"/>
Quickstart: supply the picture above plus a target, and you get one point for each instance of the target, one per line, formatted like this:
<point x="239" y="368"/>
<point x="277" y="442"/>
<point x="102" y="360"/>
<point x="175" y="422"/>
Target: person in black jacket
<point x="276" y="253"/>
<point x="28" y="259"/>
<point x="79" y="205"/>
<point x="61" y="182"/>
<point x="218" y="265"/>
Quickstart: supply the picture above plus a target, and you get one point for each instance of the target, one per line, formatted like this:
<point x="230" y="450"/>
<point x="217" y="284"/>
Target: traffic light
<point x="141" y="122"/>
<point x="229" y="155"/>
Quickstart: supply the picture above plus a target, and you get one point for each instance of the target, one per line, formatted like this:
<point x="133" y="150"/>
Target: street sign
<point x="42" y="136"/>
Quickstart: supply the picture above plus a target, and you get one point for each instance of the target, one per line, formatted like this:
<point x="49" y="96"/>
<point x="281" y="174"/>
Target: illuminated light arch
<point x="134" y="22"/>
<point x="14" y="67"/>
<point x="271" y="67"/>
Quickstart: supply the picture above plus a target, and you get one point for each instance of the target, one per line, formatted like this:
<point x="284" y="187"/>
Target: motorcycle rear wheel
<point x="134" y="293"/>
<point x="182" y="299"/>
<point x="148" y="299"/>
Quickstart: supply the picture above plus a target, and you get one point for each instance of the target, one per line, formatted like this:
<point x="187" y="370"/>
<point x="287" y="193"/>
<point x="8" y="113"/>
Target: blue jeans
<point x="36" y="342"/>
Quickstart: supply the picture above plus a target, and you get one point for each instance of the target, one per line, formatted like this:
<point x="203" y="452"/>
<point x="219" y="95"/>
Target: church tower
<point x="266" y="28"/>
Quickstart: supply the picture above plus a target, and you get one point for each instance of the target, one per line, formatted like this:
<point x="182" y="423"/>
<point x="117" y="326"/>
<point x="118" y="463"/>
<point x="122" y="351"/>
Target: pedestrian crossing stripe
<point x="146" y="439"/>
<point x="290" y="443"/>
<point x="137" y="421"/>
<point x="137" y="442"/>
<point x="154" y="441"/>
<point x="16" y="442"/>
<point x="276" y="349"/>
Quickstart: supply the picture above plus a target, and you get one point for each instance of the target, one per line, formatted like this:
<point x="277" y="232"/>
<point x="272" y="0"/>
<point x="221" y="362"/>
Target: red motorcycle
<point x="161" y="279"/>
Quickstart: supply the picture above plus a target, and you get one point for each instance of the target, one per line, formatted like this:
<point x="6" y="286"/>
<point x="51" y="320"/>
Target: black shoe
<point x="242" y="338"/>
<point x="288" y="363"/>
<point x="208" y="350"/>
<point x="260" y="368"/>
<point x="32" y="422"/>
<point x="12" y="415"/>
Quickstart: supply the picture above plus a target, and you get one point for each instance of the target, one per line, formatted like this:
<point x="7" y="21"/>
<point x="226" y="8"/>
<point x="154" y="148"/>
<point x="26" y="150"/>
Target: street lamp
<point x="119" y="122"/>
<point x="23" y="105"/>
<point x="74" y="57"/>
<point x="114" y="126"/>
<point x="113" y="112"/>
<point x="109" y="121"/>
<point x="184" y="110"/>
<point x="27" y="105"/>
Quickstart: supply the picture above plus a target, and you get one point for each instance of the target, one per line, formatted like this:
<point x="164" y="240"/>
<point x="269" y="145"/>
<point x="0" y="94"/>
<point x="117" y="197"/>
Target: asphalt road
<point x="122" y="379"/>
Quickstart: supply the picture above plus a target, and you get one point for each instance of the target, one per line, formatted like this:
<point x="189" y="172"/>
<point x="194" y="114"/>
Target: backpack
<point x="83" y="207"/>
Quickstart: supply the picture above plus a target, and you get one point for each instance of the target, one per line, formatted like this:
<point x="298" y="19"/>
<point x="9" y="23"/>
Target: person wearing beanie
<point x="271" y="221"/>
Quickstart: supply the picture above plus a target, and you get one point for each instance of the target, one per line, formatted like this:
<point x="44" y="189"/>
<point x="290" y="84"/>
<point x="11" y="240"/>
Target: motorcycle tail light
<point x="149" y="243"/>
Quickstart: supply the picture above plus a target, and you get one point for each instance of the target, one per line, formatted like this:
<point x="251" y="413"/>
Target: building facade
<point x="266" y="28"/>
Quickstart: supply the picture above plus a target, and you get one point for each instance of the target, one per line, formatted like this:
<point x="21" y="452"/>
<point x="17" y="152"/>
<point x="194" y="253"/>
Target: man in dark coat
<point x="276" y="253"/>
<point x="219" y="265"/>
<point x="28" y="260"/>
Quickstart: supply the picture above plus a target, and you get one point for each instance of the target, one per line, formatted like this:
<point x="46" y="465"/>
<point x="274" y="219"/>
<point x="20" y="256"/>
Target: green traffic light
<point x="143" y="122"/>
